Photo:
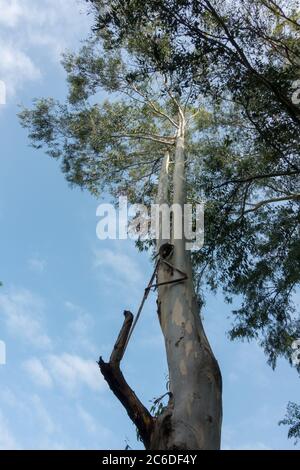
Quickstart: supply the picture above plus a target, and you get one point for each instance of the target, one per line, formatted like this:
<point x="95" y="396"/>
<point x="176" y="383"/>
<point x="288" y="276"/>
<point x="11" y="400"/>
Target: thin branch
<point x="192" y="116"/>
<point x="256" y="177"/>
<point x="188" y="97"/>
<point x="245" y="196"/>
<point x="289" y="106"/>
<point x="167" y="88"/>
<point x="153" y="137"/>
<point x="154" y="107"/>
<point x="267" y="139"/>
<point x="271" y="200"/>
<point x="278" y="10"/>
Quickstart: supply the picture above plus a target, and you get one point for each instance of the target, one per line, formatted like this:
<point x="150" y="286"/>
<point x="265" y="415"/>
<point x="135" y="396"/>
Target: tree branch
<point x="276" y="9"/>
<point x="274" y="199"/>
<point x="153" y="137"/>
<point x="289" y="106"/>
<point x="154" y="107"/>
<point x="256" y="177"/>
<point x="111" y="372"/>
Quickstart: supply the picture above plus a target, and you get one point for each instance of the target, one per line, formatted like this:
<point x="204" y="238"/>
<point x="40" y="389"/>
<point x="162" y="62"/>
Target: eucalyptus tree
<point x="245" y="53"/>
<point x="169" y="134"/>
<point x="139" y="144"/>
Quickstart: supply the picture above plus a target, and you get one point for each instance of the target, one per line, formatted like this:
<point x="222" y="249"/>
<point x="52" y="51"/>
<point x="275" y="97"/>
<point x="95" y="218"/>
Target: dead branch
<point x="111" y="372"/>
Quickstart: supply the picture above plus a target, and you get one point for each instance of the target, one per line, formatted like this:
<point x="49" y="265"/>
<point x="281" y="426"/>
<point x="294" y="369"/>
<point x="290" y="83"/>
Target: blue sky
<point x="64" y="290"/>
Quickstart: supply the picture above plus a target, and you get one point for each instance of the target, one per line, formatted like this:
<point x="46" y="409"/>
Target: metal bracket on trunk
<point x="165" y="252"/>
<point x="179" y="279"/>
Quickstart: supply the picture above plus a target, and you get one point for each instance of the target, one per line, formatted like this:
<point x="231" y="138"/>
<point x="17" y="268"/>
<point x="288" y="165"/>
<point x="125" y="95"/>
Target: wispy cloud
<point x="10" y="399"/>
<point x="119" y="266"/>
<point x="45" y="419"/>
<point x="80" y="328"/>
<point x="16" y="67"/>
<point x="37" y="264"/>
<point x="11" y="12"/>
<point x="30" y="26"/>
<point x="92" y="426"/>
<point x="68" y="371"/>
<point x="72" y="372"/>
<point x="38" y="372"/>
<point x="7" y="439"/>
<point x="23" y="314"/>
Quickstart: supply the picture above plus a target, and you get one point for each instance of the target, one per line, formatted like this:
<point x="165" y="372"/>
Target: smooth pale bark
<point x="193" y="417"/>
<point x="163" y="197"/>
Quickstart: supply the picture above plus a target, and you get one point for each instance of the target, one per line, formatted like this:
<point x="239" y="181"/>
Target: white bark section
<point x="163" y="196"/>
<point x="193" y="419"/>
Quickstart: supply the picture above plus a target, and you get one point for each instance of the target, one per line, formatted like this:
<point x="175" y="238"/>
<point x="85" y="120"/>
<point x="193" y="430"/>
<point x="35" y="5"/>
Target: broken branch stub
<point x="111" y="372"/>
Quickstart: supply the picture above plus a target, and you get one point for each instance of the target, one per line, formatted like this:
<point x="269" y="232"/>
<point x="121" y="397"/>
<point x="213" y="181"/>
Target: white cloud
<point x="16" y="67"/>
<point x="37" y="264"/>
<point x="11" y="11"/>
<point x="10" y="398"/>
<point x="32" y="27"/>
<point x="72" y="307"/>
<point x="23" y="315"/>
<point x="42" y="415"/>
<point x="68" y="371"/>
<point x="87" y="419"/>
<point x="7" y="439"/>
<point x="80" y="326"/>
<point x="80" y="329"/>
<point x="118" y="264"/>
<point x="92" y="426"/>
<point x="38" y="372"/>
<point x="72" y="371"/>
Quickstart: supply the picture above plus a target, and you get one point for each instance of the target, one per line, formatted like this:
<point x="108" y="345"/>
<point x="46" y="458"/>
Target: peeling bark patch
<point x="182" y="367"/>
<point x="189" y="327"/>
<point x="188" y="348"/>
<point x="177" y="316"/>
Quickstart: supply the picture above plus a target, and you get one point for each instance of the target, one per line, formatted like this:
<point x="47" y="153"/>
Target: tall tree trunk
<point x="193" y="417"/>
